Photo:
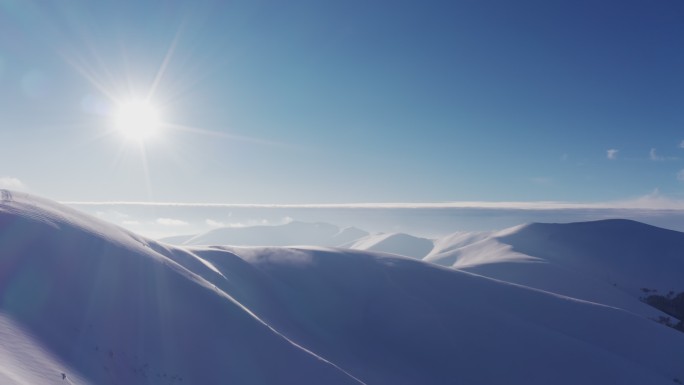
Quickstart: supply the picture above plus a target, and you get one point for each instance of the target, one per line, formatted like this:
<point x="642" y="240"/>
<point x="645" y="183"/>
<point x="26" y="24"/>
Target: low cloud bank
<point x="12" y="183"/>
<point x="160" y="219"/>
<point x="653" y="201"/>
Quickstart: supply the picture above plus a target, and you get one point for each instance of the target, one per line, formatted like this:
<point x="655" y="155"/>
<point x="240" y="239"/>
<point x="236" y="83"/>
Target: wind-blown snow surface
<point x="105" y="306"/>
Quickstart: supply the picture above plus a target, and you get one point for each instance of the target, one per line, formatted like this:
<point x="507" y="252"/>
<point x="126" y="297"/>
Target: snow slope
<point x="108" y="307"/>
<point x="117" y="312"/>
<point x="289" y="234"/>
<point x="23" y="360"/>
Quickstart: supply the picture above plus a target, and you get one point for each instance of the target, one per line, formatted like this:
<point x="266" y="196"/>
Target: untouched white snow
<point x="23" y="360"/>
<point x="109" y="307"/>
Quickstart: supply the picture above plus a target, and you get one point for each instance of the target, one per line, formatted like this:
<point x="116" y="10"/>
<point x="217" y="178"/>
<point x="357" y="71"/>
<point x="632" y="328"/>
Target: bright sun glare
<point x="137" y="120"/>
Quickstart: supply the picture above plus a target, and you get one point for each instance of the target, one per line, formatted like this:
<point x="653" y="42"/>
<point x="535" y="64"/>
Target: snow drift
<point x="102" y="305"/>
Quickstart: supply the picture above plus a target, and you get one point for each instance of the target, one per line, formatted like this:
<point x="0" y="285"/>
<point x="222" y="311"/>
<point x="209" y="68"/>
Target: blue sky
<point x="345" y="101"/>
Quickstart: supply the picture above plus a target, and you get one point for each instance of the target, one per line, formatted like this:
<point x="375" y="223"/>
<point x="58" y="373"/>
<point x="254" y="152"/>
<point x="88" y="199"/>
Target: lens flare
<point x="138" y="120"/>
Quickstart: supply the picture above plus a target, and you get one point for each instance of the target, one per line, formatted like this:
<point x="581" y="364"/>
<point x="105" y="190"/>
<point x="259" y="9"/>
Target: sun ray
<point x="91" y="78"/>
<point x="146" y="169"/>
<point x="241" y="138"/>
<point x="118" y="158"/>
<point x="162" y="68"/>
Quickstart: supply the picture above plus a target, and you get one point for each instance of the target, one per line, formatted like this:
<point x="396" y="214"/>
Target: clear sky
<point x="308" y="101"/>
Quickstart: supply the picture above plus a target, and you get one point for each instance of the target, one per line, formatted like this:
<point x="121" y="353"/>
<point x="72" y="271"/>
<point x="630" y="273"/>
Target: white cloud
<point x="250" y="223"/>
<point x="536" y="205"/>
<point x="680" y="175"/>
<point x="253" y="222"/>
<point x="213" y="223"/>
<point x="131" y="223"/>
<point x="11" y="183"/>
<point x="541" y="180"/>
<point x="119" y="214"/>
<point x="612" y="154"/>
<point x="171" y="222"/>
<point x="113" y="216"/>
<point x="652" y="201"/>
<point x="654" y="156"/>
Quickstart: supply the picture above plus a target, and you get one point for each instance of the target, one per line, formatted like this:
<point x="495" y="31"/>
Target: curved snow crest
<point x="623" y="252"/>
<point x="117" y="309"/>
<point x="482" y="252"/>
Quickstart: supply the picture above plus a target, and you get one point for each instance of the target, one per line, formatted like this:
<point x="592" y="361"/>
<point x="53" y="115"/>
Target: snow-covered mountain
<point x="82" y="301"/>
<point x="289" y="234"/>
<point x="612" y="262"/>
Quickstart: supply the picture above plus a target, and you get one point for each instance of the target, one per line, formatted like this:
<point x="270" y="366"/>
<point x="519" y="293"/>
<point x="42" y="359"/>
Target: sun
<point x="137" y="120"/>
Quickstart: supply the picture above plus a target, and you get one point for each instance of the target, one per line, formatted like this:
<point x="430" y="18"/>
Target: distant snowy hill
<point x="312" y="234"/>
<point x="85" y="302"/>
<point x="289" y="234"/>
<point x="395" y="243"/>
